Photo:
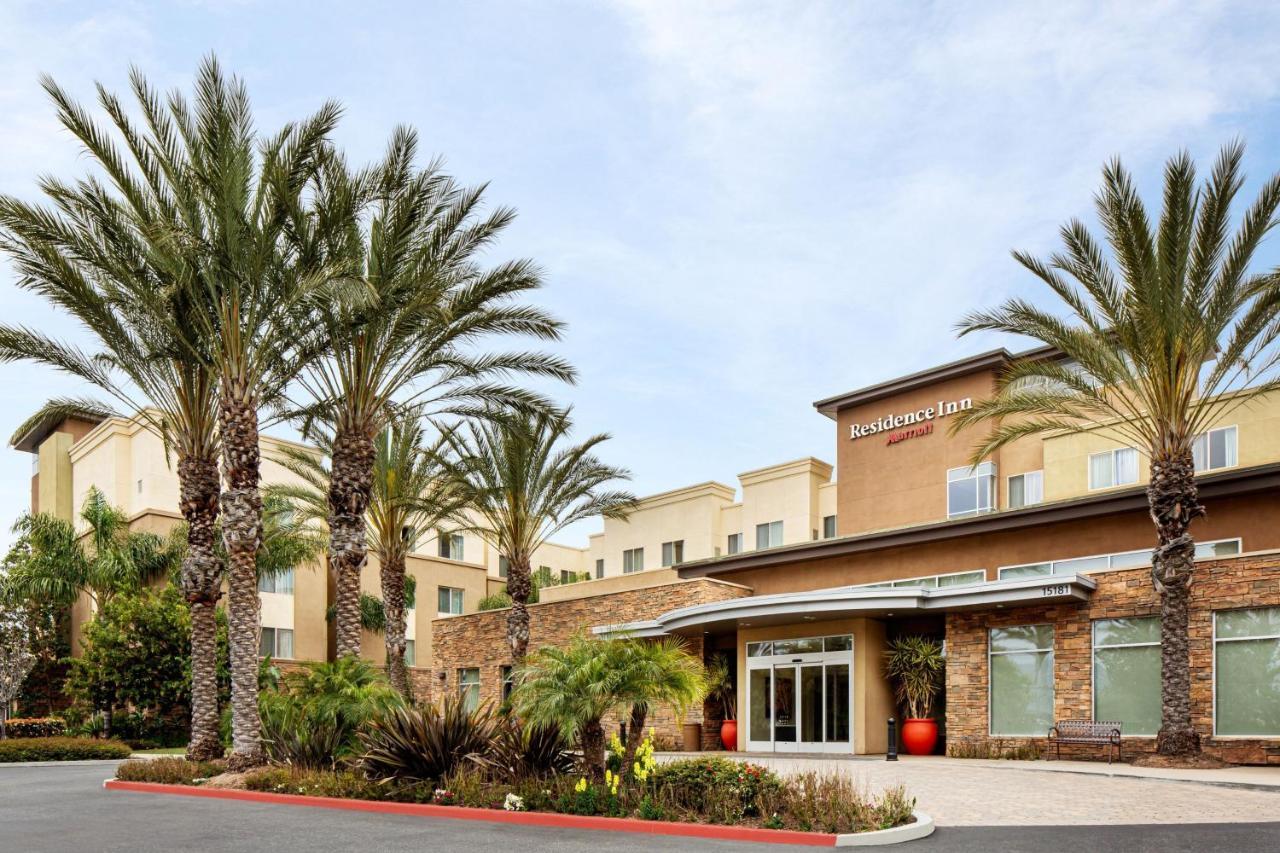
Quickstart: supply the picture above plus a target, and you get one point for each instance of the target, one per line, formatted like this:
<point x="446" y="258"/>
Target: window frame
<point x="768" y="528"/>
<point x="411" y="653"/>
<point x="1215" y="641"/>
<point x="976" y="473"/>
<point x="275" y="579"/>
<point x="829" y="531"/>
<point x="1093" y="660"/>
<point x="1000" y="570"/>
<point x="1053" y="675"/>
<point x="440" y="614"/>
<point x="507" y="681"/>
<point x="629" y="556"/>
<point x="275" y="642"/>
<point x="1234" y="429"/>
<point x="1008" y="488"/>
<point x="447" y="542"/>
<point x="672" y="553"/>
<point x="461" y="685"/>
<point x="1115" y="468"/>
<point x="733" y="543"/>
<point x="599" y="568"/>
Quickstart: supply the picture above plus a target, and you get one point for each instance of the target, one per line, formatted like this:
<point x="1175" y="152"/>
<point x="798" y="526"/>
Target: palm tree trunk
<point x="519" y="586"/>
<point x="592" y="739"/>
<point x="393" y="607"/>
<point x="1174" y="504"/>
<point x="635" y="734"/>
<point x="350" y="485"/>
<point x="202" y="585"/>
<point x="242" y="531"/>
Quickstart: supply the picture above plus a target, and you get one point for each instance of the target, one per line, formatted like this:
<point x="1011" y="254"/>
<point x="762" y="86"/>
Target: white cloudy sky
<point x="741" y="207"/>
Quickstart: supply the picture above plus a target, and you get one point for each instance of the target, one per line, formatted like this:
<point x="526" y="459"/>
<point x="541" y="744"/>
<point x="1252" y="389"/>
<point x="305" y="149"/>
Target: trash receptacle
<point x="693" y="737"/>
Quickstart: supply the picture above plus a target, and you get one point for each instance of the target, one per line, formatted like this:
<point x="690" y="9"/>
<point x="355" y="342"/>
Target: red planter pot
<point x="729" y="734"/>
<point x="919" y="737"/>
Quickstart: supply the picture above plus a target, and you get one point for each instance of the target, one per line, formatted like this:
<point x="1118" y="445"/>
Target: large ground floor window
<point x="1126" y="673"/>
<point x="1246" y="672"/>
<point x="1021" y="680"/>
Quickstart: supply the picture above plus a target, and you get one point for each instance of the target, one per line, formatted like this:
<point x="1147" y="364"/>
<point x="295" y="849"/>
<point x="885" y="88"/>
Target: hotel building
<point x="1033" y="566"/>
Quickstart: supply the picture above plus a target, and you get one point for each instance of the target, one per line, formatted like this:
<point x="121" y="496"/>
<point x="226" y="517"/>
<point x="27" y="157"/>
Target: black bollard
<point x="892" y="754"/>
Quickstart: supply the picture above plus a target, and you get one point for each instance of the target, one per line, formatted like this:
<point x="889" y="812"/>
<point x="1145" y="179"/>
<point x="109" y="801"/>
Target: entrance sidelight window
<point x="768" y="535"/>
<point x="673" y="553"/>
<point x="1246" y="672"/>
<point x="1113" y="468"/>
<point x="1026" y="489"/>
<point x="1214" y="449"/>
<point x="1126" y="673"/>
<point x="971" y="491"/>
<point x="632" y="560"/>
<point x="1021" y="680"/>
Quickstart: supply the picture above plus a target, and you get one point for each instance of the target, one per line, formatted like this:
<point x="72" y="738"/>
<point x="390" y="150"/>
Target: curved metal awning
<point x="852" y="601"/>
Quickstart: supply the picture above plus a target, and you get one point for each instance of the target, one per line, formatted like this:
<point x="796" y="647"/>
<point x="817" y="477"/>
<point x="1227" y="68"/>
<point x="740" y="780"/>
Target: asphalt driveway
<point x="64" y="808"/>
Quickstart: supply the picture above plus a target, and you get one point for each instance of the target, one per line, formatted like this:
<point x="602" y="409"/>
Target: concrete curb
<point x="922" y="827"/>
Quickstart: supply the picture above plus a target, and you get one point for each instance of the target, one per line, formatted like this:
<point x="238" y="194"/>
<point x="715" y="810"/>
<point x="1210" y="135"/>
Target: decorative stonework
<point x="1250" y="581"/>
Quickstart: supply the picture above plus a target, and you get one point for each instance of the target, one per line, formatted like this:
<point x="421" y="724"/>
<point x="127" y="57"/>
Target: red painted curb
<point x="551" y="819"/>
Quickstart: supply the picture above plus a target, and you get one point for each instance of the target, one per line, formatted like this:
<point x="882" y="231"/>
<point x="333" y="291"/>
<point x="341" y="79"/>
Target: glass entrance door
<point x="800" y="702"/>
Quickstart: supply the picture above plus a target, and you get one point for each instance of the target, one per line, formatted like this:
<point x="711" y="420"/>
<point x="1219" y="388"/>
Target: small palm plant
<point x="656" y="672"/>
<point x="916" y="667"/>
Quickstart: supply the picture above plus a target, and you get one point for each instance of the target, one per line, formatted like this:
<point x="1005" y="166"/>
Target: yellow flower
<point x="581" y="786"/>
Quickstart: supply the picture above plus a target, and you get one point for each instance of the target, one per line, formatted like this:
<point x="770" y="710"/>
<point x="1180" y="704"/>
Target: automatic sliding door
<point x="838" y="702"/>
<point x="784" y="708"/>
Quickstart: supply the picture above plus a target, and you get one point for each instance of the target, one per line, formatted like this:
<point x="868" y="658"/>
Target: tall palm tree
<point x="409" y="496"/>
<point x="524" y="481"/>
<point x="186" y="226"/>
<point x="401" y="322"/>
<point x="657" y="672"/>
<point x="1154" y="354"/>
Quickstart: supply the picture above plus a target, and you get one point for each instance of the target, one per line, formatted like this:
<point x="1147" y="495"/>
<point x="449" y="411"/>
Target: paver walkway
<point x="960" y="792"/>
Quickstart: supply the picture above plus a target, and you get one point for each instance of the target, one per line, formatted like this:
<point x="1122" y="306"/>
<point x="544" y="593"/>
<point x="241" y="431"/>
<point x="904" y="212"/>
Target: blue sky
<point x="740" y="207"/>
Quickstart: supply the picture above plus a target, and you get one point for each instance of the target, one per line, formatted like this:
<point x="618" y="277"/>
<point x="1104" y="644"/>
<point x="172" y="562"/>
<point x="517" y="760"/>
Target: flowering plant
<point x="441" y="797"/>
<point x="513" y="803"/>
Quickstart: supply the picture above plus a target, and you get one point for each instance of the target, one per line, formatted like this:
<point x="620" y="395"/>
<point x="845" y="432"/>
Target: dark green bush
<point x="61" y="749"/>
<point x="535" y="751"/>
<point x="168" y="771"/>
<point x="408" y="745"/>
<point x="35" y="727"/>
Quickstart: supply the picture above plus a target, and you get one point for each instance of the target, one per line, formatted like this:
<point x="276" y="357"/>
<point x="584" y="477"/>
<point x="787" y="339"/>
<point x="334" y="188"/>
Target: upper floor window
<point x="450" y="545"/>
<point x="673" y="553"/>
<point x="735" y="543"/>
<point x="599" y="569"/>
<point x="632" y="560"/>
<point x="768" y="535"/>
<point x="829" y="527"/>
<point x="276" y="643"/>
<point x="971" y="491"/>
<point x="450" y="601"/>
<point x="281" y="584"/>
<point x="504" y="567"/>
<point x="1109" y="468"/>
<point x="1026" y="489"/>
<point x="1214" y="449"/>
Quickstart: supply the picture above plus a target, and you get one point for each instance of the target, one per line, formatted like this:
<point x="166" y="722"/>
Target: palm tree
<point x="409" y="495"/>
<point x="523" y="482"/>
<point x="657" y="672"/>
<point x="1152" y="356"/>
<point x="400" y="320"/>
<point x="571" y="688"/>
<point x="187" y="230"/>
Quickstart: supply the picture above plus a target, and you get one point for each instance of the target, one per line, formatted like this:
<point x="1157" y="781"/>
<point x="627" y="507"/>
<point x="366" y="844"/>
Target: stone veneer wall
<point x="1238" y="582"/>
<point x="479" y="640"/>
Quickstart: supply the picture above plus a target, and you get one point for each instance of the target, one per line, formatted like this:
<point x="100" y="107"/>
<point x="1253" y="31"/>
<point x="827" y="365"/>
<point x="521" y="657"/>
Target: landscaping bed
<point x="61" y="749"/>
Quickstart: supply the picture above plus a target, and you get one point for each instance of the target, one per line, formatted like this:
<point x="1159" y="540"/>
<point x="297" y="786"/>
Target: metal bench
<point x="1092" y="732"/>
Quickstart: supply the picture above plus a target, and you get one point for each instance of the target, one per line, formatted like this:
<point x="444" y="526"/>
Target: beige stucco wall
<point x="872" y="695"/>
<point x="692" y="514"/>
<point x="788" y="493"/>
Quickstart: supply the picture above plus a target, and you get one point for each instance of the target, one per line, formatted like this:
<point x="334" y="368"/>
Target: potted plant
<point x="720" y="689"/>
<point x="916" y="665"/>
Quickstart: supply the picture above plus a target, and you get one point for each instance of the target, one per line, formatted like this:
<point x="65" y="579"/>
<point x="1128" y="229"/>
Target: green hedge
<point x="35" y="727"/>
<point x="61" y="749"/>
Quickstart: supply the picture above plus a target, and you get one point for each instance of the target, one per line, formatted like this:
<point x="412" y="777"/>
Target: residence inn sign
<point x="919" y="421"/>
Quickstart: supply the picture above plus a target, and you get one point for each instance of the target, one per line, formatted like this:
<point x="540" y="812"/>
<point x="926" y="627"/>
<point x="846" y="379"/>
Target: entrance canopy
<point x="850" y="601"/>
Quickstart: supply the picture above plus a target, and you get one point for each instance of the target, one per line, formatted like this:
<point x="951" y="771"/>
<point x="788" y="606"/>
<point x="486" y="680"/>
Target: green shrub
<point x="727" y="790"/>
<point x="61" y="749"/>
<point x="168" y="771"/>
<point x="834" y="802"/>
<point x="519" y="751"/>
<point x="343" y="784"/>
<point x="35" y="727"/>
<point x="409" y="745"/>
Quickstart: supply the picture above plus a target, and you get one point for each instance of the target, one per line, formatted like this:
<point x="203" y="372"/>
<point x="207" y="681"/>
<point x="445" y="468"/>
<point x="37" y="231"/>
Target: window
<point x="1026" y="489"/>
<point x="734" y="543"/>
<point x="281" y="584"/>
<point x="599" y="569"/>
<point x="450" y="601"/>
<point x="1109" y="468"/>
<point x="768" y="535"/>
<point x="139" y="487"/>
<point x="469" y="688"/>
<point x="1221" y="548"/>
<point x="673" y="553"/>
<point x="1126" y="673"/>
<point x="829" y="527"/>
<point x="633" y="560"/>
<point x="504" y="567"/>
<point x="508" y="682"/>
<point x="971" y="491"/>
<point x="1122" y="560"/>
<point x="409" y="537"/>
<point x="567" y="576"/>
<point x="933" y="581"/>
<point x="1021" y="680"/>
<point x="276" y="643"/>
<point x="1246" y="672"/>
<point x="410" y="653"/>
<point x="450" y="545"/>
<point x="1214" y="449"/>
